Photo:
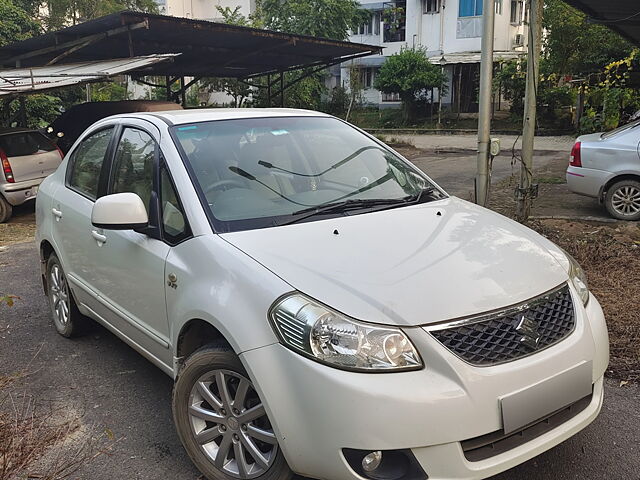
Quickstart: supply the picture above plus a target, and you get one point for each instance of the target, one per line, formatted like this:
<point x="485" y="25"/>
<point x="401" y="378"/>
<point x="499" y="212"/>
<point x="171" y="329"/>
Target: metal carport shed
<point x="205" y="48"/>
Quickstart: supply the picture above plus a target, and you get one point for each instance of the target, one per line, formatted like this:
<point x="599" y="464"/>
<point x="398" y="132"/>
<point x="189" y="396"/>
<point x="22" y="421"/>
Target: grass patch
<point x="551" y="180"/>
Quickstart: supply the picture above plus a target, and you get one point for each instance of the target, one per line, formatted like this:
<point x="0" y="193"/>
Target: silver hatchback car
<point x="606" y="166"/>
<point x="27" y="157"/>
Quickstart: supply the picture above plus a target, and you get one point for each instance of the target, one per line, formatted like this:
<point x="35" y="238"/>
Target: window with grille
<point x="517" y="8"/>
<point x="431" y="6"/>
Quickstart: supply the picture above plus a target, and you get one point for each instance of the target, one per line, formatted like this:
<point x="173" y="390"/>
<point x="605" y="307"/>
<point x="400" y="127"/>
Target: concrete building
<point x="449" y="30"/>
<point x="203" y="9"/>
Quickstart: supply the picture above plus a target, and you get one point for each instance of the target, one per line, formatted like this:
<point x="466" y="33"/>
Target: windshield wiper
<point x="357" y="204"/>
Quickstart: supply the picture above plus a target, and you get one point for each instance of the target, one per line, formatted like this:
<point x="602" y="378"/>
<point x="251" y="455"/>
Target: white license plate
<point x="537" y="401"/>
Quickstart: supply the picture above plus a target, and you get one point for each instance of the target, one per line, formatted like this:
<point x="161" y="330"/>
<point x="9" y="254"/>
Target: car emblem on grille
<point x="528" y="328"/>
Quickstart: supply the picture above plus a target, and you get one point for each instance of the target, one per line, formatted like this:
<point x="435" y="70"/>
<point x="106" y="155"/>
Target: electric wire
<point x="617" y="20"/>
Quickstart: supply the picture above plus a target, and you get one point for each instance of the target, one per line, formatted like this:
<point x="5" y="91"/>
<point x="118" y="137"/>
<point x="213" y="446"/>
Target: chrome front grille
<point x="510" y="334"/>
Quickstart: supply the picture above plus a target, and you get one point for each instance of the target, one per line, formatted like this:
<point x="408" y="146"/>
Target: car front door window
<point x="133" y="164"/>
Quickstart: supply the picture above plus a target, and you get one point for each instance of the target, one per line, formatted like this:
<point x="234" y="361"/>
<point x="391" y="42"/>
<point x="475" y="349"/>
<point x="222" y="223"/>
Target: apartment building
<point x="449" y="30"/>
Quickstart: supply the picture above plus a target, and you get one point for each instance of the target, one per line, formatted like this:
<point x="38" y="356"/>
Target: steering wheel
<point x="224" y="185"/>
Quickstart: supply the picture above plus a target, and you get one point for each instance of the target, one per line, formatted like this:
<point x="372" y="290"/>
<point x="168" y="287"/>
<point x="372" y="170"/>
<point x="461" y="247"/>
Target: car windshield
<point x="262" y="172"/>
<point x="621" y="129"/>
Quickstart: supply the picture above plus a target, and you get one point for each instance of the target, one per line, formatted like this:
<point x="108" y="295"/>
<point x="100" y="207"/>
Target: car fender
<point x="217" y="283"/>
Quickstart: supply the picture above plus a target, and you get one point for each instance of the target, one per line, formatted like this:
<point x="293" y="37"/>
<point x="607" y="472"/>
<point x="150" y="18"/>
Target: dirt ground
<point x="21" y="226"/>
<point x="608" y="251"/>
<point x="610" y="255"/>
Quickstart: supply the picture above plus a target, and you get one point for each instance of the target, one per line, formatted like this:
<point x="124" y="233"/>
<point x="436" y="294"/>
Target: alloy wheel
<point x="626" y="200"/>
<point x="230" y="424"/>
<point x="59" y="296"/>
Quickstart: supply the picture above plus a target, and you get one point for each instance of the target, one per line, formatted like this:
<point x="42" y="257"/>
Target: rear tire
<point x="623" y="200"/>
<point x="218" y="426"/>
<point x="67" y="319"/>
<point x="5" y="210"/>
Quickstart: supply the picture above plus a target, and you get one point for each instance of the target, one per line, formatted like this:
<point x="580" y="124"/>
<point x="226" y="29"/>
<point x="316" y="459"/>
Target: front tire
<point x="67" y="319"/>
<point x="5" y="210"/>
<point x="221" y="420"/>
<point x="623" y="200"/>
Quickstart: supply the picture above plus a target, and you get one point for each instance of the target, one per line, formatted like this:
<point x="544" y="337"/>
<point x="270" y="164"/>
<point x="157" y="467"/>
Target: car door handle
<point x="100" y="238"/>
<point x="56" y="213"/>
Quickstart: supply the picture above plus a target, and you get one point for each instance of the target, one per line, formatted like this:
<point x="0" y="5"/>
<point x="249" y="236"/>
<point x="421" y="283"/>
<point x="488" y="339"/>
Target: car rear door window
<point x="133" y="164"/>
<point x="86" y="163"/>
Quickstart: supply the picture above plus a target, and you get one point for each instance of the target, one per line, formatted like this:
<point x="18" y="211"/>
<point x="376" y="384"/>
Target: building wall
<point x="203" y="9"/>
<point x="441" y="33"/>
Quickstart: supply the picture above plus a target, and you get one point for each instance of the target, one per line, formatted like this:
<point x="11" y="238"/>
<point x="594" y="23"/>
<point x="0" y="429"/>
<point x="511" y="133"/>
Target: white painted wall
<point x="439" y="33"/>
<point x="203" y="9"/>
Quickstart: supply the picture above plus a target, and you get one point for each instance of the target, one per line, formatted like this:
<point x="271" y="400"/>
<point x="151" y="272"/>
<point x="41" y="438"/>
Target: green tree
<point x="61" y="13"/>
<point x="16" y="23"/>
<point x="409" y="74"/>
<point x="319" y="18"/>
<point x="233" y="16"/>
<point x="574" y="46"/>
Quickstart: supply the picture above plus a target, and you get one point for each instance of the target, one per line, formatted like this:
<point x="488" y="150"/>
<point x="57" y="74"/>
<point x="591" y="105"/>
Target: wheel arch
<point x="615" y="179"/>
<point x="194" y="334"/>
<point x="46" y="249"/>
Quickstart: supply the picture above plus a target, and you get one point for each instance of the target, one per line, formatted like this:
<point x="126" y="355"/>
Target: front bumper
<point x="20" y="192"/>
<point x="316" y="411"/>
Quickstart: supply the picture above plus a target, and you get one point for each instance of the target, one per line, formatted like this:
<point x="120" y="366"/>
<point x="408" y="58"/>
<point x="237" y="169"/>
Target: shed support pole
<point x="484" y="116"/>
<point x="526" y="192"/>
<point x="183" y="93"/>
<point x="168" y="85"/>
<point x="269" y="90"/>
<point x="23" y="111"/>
<point x="281" y="89"/>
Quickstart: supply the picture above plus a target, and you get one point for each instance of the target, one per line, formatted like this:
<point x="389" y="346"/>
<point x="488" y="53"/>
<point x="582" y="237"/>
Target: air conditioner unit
<point x="518" y="40"/>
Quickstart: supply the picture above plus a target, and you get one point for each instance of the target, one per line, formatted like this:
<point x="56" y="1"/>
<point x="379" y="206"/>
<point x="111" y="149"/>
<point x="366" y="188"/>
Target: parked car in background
<point x="27" y="157"/>
<point x="67" y="127"/>
<point x="323" y="307"/>
<point x="606" y="166"/>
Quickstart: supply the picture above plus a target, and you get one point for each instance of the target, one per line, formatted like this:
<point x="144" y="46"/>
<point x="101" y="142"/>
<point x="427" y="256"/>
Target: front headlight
<point x="318" y="332"/>
<point x="578" y="278"/>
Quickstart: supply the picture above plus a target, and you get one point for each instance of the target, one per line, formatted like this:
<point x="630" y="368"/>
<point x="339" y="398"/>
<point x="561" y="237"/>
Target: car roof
<point x="179" y="117"/>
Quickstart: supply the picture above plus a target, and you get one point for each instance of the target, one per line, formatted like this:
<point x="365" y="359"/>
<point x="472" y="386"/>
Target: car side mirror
<point x="119" y="211"/>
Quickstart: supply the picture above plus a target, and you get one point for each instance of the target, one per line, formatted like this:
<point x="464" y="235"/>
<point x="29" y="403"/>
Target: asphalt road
<point x="117" y="389"/>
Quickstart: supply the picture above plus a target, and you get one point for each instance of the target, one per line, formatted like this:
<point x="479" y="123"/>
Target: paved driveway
<point x="119" y="390"/>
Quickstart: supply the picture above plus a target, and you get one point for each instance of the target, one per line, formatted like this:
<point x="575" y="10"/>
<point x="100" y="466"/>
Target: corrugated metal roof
<point x="36" y="79"/>
<point x="623" y="16"/>
<point x="207" y="48"/>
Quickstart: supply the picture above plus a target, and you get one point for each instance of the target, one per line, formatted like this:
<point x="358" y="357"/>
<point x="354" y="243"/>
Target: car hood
<point x="409" y="266"/>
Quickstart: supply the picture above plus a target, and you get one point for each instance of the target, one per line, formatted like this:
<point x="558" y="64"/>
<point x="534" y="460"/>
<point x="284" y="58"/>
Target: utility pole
<point x="484" y="116"/>
<point x="526" y="191"/>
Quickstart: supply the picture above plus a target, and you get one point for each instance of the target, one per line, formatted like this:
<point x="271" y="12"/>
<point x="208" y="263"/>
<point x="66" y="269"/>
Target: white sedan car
<point x="323" y="307"/>
<point x="606" y="166"/>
